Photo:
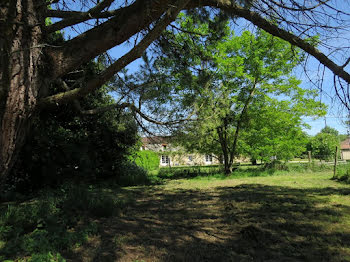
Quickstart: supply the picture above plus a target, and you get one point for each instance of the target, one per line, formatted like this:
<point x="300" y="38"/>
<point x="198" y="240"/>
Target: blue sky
<point x="335" y="116"/>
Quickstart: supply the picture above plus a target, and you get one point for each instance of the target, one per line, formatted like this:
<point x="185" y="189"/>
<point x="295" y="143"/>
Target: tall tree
<point x="225" y="78"/>
<point x="323" y="144"/>
<point x="29" y="64"/>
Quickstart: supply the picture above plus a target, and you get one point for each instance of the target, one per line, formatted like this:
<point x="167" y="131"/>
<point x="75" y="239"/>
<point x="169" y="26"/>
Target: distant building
<point x="171" y="155"/>
<point x="345" y="149"/>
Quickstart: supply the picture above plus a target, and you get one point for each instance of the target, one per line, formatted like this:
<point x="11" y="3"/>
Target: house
<point x="171" y="155"/>
<point x="345" y="149"/>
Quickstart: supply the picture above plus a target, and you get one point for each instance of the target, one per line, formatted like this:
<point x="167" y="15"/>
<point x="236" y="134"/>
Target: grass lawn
<point x="301" y="217"/>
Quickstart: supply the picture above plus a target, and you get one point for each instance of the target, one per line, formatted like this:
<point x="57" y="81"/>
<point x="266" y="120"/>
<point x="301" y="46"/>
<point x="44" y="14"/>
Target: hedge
<point x="147" y="159"/>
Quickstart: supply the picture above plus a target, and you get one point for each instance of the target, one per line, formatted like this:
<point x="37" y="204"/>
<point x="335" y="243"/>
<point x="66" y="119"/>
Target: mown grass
<point x="282" y="217"/>
<point x="252" y="215"/>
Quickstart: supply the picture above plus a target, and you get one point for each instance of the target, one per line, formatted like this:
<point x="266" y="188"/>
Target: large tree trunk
<point x="20" y="78"/>
<point x="227" y="167"/>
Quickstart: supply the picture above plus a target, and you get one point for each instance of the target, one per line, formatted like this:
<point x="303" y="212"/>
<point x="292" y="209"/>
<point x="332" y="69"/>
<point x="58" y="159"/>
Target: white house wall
<point x="345" y="154"/>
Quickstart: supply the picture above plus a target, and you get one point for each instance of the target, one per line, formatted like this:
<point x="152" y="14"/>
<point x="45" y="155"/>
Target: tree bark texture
<point x="20" y="75"/>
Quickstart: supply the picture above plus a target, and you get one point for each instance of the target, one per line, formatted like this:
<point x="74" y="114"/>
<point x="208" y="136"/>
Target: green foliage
<point x="240" y="88"/>
<point x="343" y="173"/>
<point x="90" y="200"/>
<point x="217" y="172"/>
<point x="65" y="145"/>
<point x="57" y="220"/>
<point x="47" y="257"/>
<point x="276" y="130"/>
<point x="147" y="159"/>
<point x="301" y="167"/>
<point x="323" y="145"/>
<point x="134" y="175"/>
<point x="188" y="172"/>
<point x="329" y="130"/>
<point x="342" y="137"/>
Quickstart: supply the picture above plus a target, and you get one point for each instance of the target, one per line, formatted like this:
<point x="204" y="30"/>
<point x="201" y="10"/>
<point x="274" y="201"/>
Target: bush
<point x="47" y="257"/>
<point x="343" y="173"/>
<point x="65" y="145"/>
<point x="217" y="171"/>
<point x="134" y="175"/>
<point x="277" y="165"/>
<point x="188" y="171"/>
<point x="306" y="167"/>
<point x="146" y="159"/>
<point x="87" y="199"/>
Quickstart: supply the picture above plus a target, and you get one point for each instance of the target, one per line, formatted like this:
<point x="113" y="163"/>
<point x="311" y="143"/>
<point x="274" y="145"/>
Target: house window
<point x="165" y="159"/>
<point x="190" y="158"/>
<point x="208" y="158"/>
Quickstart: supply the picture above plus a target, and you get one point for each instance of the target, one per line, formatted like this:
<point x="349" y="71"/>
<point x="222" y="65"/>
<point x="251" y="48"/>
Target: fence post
<point x="309" y="156"/>
<point x="335" y="162"/>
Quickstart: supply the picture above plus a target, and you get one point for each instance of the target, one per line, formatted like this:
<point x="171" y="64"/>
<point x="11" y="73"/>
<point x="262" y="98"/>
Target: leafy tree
<point x="329" y="130"/>
<point x="323" y="145"/>
<point x="223" y="78"/>
<point x="276" y="132"/>
<point x="30" y="64"/>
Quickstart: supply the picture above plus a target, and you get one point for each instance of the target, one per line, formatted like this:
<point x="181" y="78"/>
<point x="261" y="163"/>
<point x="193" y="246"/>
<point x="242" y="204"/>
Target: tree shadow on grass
<point x="243" y="223"/>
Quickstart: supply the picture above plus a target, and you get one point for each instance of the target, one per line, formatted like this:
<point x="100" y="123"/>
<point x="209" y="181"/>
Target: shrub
<point x="47" y="257"/>
<point x="146" y="159"/>
<point x="188" y="171"/>
<point x="306" y="167"/>
<point x="66" y="146"/>
<point x="343" y="173"/>
<point x="133" y="175"/>
<point x="85" y="198"/>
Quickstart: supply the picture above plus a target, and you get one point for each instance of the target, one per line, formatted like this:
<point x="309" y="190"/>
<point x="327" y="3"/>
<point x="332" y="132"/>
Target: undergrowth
<point x="216" y="172"/>
<point x="43" y="228"/>
<point x="343" y="173"/>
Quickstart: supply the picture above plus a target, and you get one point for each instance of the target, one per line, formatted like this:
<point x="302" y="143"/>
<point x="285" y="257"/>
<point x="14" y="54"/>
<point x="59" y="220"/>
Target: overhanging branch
<point x="132" y="55"/>
<point x="133" y="108"/>
<point x="77" y="18"/>
<point x="124" y="24"/>
<point x="274" y="30"/>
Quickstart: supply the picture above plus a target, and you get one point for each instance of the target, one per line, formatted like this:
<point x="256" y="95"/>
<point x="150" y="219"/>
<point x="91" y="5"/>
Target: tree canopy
<point x="323" y="144"/>
<point x="238" y="87"/>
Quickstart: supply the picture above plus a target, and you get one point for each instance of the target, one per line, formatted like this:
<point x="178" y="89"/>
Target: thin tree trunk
<point x="222" y="133"/>
<point x="239" y="123"/>
<point x="20" y="79"/>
